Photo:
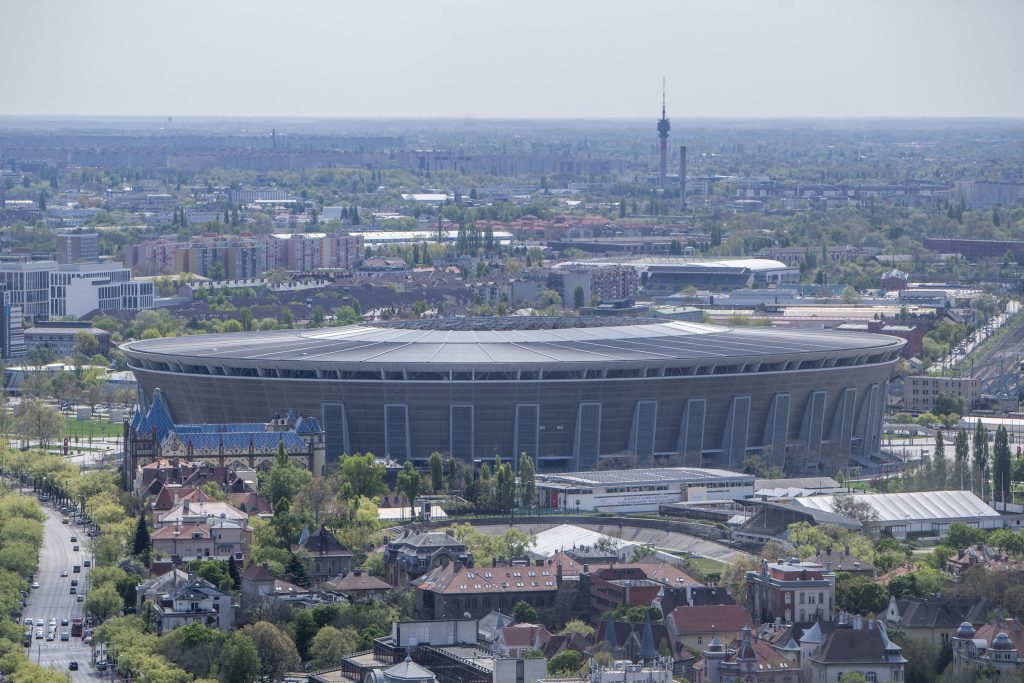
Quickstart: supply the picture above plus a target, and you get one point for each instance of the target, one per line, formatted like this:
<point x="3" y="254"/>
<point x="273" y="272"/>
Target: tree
<point x="103" y="602"/>
<point x="436" y="466"/>
<point x="505" y="487"/>
<point x="565" y="664"/>
<point x="296" y="571"/>
<point x="578" y="297"/>
<point x="962" y="536"/>
<point x="947" y="403"/>
<point x="239" y="661"/>
<point x="142" y="542"/>
<point x="330" y="645"/>
<point x="961" y="448"/>
<point x="40" y="421"/>
<point x="234" y="573"/>
<point x="860" y="595"/>
<point x="1002" y="480"/>
<point x="981" y="450"/>
<point x="284" y="480"/>
<point x="409" y="482"/>
<point x="577" y="626"/>
<point x="848" y="505"/>
<point x="940" y="466"/>
<point x="641" y="552"/>
<point x="852" y="677"/>
<point x="363" y="474"/>
<point x="527" y="481"/>
<point x="524" y="613"/>
<point x="86" y="344"/>
<point x="276" y="650"/>
<point x="304" y="628"/>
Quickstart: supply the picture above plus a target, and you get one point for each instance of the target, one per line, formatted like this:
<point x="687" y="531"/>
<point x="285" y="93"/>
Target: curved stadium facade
<point x="568" y="391"/>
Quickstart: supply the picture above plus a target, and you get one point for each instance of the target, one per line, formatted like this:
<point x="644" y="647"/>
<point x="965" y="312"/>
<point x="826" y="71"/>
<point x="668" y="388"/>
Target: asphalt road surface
<point x="53" y="599"/>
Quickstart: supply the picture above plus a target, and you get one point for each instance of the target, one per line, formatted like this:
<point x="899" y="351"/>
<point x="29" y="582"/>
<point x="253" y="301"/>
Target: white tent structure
<point x="928" y="512"/>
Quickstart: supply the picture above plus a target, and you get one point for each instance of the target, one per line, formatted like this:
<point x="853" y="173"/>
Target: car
<point x="64" y="621"/>
<point x="75" y="548"/>
<point x="65" y="521"/>
<point x="74" y="590"/>
<point x="87" y="640"/>
<point x="64" y="635"/>
<point x="63" y="573"/>
<point x="74" y="582"/>
<point x="39" y="634"/>
<point x="28" y="622"/>
<point x="80" y="598"/>
<point x="72" y="665"/>
<point x="74" y="539"/>
<point x="35" y="584"/>
<point x="88" y="563"/>
<point x="50" y="637"/>
<point x="52" y="623"/>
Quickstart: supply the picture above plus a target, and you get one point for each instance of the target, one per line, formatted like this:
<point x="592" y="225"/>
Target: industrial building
<point x="572" y="393"/>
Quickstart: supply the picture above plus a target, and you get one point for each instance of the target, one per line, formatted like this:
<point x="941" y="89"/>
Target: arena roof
<point x="899" y="507"/>
<point x="514" y="341"/>
<point x="639" y="476"/>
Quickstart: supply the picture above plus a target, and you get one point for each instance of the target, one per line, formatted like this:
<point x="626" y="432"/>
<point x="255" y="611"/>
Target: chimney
<point x="185" y="508"/>
<point x="558" y="572"/>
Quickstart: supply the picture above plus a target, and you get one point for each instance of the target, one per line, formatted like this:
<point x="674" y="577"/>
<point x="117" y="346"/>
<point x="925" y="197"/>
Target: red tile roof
<point x="708" y="618"/>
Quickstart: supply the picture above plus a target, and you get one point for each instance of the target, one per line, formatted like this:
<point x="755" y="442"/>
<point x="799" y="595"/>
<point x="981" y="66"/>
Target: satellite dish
<point x="467" y="615"/>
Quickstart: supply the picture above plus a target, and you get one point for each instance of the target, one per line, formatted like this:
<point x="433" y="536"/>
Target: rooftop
<point x="898" y="507"/>
<point x="511" y="341"/>
<point x="640" y="476"/>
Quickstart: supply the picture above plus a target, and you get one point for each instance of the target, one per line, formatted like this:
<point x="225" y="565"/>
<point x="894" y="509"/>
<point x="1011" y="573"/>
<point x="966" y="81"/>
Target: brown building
<point x="451" y="590"/>
<point x="792" y="591"/>
<point x="632" y="585"/>
<point x="920" y="392"/>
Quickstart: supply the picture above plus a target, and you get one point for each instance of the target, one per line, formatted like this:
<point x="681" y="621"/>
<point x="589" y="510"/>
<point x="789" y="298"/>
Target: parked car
<point x="64" y="635"/>
<point x="72" y="665"/>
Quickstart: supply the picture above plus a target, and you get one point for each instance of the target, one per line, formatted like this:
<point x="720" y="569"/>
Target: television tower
<point x="663" y="128"/>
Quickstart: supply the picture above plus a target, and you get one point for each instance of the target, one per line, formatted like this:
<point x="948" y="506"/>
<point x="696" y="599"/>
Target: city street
<point x="53" y="600"/>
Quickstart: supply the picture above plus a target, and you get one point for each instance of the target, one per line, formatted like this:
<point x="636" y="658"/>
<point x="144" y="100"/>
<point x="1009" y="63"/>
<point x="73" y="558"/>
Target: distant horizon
<point x="529" y="60"/>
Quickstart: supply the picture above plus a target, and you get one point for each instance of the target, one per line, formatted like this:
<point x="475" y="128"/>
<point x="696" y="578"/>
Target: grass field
<point x="73" y="427"/>
<point x="707" y="565"/>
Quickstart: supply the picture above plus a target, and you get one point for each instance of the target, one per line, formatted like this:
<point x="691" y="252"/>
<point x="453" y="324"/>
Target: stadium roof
<point x="638" y="476"/>
<point x="513" y="341"/>
<point x="899" y="507"/>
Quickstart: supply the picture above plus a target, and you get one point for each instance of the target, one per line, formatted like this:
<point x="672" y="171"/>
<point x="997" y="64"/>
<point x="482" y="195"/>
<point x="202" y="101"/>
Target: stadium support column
<point x="682" y="178"/>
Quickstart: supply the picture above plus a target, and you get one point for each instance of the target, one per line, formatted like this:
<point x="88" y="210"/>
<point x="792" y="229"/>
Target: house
<point x="791" y="591"/>
<point x="193" y="600"/>
<point x="221" y="540"/>
<point x="517" y="640"/>
<point x="409" y="557"/>
<point x="487" y="626"/>
<point x="257" y="585"/>
<point x="206" y="512"/>
<point x="830" y="649"/>
<point x="934" y="620"/>
<point x="694" y="627"/>
<point x="973" y="556"/>
<point x="842" y="561"/>
<point x="749" y="659"/>
<point x="997" y="645"/>
<point x="358" y="585"/>
<point x="453" y="590"/>
<point x="322" y="554"/>
<point x="632" y="585"/>
<point x="624" y="640"/>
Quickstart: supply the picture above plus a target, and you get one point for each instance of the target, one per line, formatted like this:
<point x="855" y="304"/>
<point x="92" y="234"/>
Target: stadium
<point x="575" y="394"/>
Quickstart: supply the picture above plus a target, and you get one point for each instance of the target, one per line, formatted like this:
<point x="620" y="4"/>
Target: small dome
<point x="965" y="630"/>
<point x="1001" y="642"/>
<point x="715" y="645"/>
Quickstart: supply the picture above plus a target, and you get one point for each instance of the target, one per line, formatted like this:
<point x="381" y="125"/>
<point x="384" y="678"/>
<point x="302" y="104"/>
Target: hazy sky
<point x="514" y="58"/>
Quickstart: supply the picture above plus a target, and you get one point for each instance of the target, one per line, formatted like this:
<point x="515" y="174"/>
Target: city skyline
<point x="566" y="60"/>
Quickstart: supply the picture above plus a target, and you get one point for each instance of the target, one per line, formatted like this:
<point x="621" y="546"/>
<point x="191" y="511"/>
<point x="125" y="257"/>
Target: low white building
<point x="639" y="490"/>
<point x="923" y="512"/>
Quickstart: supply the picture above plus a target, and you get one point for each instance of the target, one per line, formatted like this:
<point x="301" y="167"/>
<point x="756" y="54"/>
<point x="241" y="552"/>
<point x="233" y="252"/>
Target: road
<point x="53" y="599"/>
